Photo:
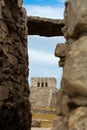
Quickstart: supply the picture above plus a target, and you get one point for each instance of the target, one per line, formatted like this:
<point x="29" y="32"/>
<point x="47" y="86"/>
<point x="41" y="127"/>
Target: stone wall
<point x="43" y="92"/>
<point x="40" y="82"/>
<point x="14" y="90"/>
<point x="72" y="97"/>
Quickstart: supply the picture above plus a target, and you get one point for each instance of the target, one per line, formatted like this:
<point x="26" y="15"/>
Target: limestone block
<point x="20" y="3"/>
<point x="75" y="70"/>
<point x="60" y="123"/>
<point x="58" y="102"/>
<point x="61" y="51"/>
<point x="76" y="17"/>
<point x="62" y="103"/>
<point x="78" y="119"/>
<point x="79" y="100"/>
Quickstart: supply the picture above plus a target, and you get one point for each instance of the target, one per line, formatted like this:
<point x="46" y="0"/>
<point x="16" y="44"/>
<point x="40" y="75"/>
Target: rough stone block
<point x="62" y="104"/>
<point x="61" y="51"/>
<point x="78" y="119"/>
<point x="20" y="3"/>
<point x="75" y="69"/>
<point x="60" y="123"/>
<point x="76" y="17"/>
<point x="79" y="100"/>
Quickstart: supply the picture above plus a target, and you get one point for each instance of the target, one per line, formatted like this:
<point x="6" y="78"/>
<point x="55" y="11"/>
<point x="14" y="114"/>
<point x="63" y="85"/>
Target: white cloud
<point x="45" y="11"/>
<point x="42" y="57"/>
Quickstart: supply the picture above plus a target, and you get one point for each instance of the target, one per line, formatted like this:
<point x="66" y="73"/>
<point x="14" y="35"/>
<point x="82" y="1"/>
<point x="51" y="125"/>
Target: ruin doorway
<point x="43" y="63"/>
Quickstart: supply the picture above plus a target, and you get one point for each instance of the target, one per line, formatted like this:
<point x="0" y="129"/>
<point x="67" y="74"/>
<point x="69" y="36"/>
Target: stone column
<point x="14" y="89"/>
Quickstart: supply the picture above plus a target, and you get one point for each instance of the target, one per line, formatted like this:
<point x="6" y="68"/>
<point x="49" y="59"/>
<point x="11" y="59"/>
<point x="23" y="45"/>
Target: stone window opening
<point x="46" y="84"/>
<point x="42" y="84"/>
<point x="38" y="84"/>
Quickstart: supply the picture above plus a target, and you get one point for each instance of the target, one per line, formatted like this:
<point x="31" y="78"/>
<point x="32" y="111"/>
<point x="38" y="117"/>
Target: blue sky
<point x="42" y="62"/>
<point x="45" y="2"/>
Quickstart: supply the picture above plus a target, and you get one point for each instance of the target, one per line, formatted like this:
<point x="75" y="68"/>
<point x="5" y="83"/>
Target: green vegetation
<point x="48" y="108"/>
<point x="46" y="118"/>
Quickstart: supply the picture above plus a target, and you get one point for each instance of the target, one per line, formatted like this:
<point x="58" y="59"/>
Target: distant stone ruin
<point x="41" y="82"/>
<point x="43" y="92"/>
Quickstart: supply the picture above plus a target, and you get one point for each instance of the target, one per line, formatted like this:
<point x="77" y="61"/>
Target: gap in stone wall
<point x="42" y="61"/>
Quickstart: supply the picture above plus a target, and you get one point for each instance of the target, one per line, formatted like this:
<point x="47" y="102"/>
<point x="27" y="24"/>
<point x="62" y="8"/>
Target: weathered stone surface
<point x="20" y="2"/>
<point x="2" y="3"/>
<point x="75" y="69"/>
<point x="75" y="18"/>
<point x="60" y="123"/>
<point x="44" y="26"/>
<point x="14" y="90"/>
<point x="62" y="104"/>
<point x="43" y="87"/>
<point x="61" y="52"/>
<point x="78" y="119"/>
<point x="79" y="100"/>
<point x="37" y="99"/>
<point x="3" y="93"/>
<point x="72" y="96"/>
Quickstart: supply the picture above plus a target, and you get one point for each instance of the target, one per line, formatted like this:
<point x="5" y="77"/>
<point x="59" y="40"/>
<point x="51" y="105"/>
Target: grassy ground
<point x="46" y="118"/>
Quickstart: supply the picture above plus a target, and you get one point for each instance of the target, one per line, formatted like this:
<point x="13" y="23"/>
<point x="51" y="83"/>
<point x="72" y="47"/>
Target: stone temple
<point x="43" y="92"/>
<point x="43" y="82"/>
